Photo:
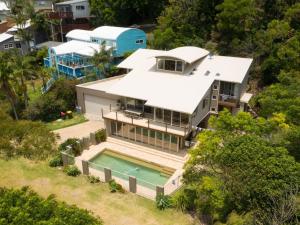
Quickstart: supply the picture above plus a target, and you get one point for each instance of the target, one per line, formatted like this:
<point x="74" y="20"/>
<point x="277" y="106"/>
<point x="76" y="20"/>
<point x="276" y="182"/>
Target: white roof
<point x="188" y="54"/>
<point x="20" y="26"/>
<point x="5" y="36"/>
<point x="178" y="92"/>
<point x="79" y="47"/>
<point x="101" y="85"/>
<point x="84" y="35"/>
<point x="3" y="6"/>
<point x="109" y="32"/>
<point x="70" y="2"/>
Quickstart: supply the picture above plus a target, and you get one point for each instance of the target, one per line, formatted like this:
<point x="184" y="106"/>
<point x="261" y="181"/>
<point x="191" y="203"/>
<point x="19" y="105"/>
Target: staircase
<point x="48" y="85"/>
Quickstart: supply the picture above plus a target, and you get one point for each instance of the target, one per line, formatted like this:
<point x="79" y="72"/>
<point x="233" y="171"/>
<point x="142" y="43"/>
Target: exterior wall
<point x="23" y="49"/>
<point x="81" y="91"/>
<point x="243" y="86"/>
<point x="126" y="42"/>
<point x="78" y="13"/>
<point x="214" y="92"/>
<point x="201" y="112"/>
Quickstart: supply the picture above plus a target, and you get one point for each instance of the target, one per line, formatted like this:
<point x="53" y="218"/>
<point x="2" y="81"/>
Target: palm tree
<point x="7" y="79"/>
<point x="24" y="70"/>
<point x="102" y="60"/>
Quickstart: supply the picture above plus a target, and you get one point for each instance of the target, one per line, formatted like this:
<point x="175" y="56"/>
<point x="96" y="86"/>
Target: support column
<point x="85" y="167"/>
<point x="132" y="184"/>
<point x="107" y="174"/>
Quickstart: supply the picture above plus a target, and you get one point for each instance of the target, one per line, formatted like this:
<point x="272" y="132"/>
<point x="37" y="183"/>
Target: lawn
<point x="34" y="92"/>
<point x="58" y="124"/>
<point x="113" y="208"/>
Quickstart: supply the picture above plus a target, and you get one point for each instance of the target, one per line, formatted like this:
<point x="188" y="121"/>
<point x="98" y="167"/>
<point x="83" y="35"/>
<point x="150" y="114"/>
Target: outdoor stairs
<point x="163" y="154"/>
<point x="49" y="84"/>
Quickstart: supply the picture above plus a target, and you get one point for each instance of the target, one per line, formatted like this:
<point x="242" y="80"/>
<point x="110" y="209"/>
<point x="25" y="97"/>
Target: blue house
<point x="72" y="58"/>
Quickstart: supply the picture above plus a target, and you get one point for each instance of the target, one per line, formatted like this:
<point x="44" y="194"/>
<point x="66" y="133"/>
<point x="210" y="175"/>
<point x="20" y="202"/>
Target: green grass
<point x="34" y="93"/>
<point x="58" y="124"/>
<point x="113" y="208"/>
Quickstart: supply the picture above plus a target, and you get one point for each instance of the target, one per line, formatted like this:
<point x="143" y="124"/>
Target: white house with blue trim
<point x="72" y="57"/>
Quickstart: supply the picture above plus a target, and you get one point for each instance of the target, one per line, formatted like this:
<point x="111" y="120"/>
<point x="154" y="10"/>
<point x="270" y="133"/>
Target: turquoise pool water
<point x="123" y="168"/>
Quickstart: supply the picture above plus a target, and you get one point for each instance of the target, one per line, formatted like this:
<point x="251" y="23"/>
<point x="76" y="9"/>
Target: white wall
<point x="78" y="13"/>
<point x="201" y="112"/>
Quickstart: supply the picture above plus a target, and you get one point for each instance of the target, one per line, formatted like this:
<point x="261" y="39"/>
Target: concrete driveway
<point x="79" y="130"/>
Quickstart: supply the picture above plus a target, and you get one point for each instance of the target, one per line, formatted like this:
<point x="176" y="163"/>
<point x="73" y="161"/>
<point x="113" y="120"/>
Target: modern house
<point x="166" y="95"/>
<point x="74" y="14"/>
<point x="72" y="58"/>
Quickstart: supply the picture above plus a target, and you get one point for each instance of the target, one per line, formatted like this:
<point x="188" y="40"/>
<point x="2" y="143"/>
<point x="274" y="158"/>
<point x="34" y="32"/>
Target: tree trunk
<point x="24" y="90"/>
<point x="10" y="98"/>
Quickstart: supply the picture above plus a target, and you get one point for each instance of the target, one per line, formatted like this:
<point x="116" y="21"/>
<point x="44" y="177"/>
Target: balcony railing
<point x="59" y="15"/>
<point x="228" y="100"/>
<point x="139" y="120"/>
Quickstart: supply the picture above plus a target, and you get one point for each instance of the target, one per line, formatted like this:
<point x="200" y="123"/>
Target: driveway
<point x="80" y="130"/>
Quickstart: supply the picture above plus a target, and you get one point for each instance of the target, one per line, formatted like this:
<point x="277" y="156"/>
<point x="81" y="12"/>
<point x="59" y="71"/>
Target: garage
<point x="94" y="104"/>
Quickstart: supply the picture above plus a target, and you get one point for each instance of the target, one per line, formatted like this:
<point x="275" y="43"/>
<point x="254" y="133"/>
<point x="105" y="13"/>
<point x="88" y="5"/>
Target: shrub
<point x="100" y="135"/>
<point x="93" y="179"/>
<point x="75" y="146"/>
<point x="163" y="201"/>
<point x="72" y="170"/>
<point x="115" y="187"/>
<point x="23" y="206"/>
<point x="56" y="161"/>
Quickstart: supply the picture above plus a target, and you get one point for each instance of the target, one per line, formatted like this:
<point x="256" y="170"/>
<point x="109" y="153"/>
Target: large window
<point x="159" y="114"/>
<point x="176" y="119"/>
<point x="134" y="104"/>
<point x="227" y="88"/>
<point x="184" y="119"/>
<point x="149" y="112"/>
<point x="167" y="116"/>
<point x="170" y="65"/>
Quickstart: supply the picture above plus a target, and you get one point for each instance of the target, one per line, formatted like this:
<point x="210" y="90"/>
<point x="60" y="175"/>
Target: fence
<point x="68" y="156"/>
<point x="129" y="182"/>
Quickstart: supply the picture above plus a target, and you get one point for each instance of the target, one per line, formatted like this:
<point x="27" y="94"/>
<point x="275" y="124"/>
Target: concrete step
<point x="166" y="155"/>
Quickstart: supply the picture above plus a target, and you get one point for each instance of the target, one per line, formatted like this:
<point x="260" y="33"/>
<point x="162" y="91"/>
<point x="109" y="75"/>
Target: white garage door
<point x="94" y="104"/>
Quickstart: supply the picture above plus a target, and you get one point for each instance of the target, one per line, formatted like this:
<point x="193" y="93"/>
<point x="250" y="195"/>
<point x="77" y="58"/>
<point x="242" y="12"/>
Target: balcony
<point x="228" y="100"/>
<point x="59" y="15"/>
<point x="139" y="120"/>
<point x="47" y="62"/>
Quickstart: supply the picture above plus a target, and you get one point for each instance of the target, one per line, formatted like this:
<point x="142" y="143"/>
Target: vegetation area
<point x="26" y="207"/>
<point x="112" y="208"/>
<point x="60" y="123"/>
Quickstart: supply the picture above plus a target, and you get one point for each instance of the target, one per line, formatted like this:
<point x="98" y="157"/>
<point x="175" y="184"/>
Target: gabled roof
<point x="79" y="47"/>
<point x="84" y="35"/>
<point x="188" y="54"/>
<point x="177" y="92"/>
<point x="5" y="36"/>
<point x="109" y="32"/>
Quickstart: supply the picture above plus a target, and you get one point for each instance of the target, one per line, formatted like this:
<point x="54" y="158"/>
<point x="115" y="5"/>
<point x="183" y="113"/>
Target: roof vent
<point x="194" y="69"/>
<point x="218" y="74"/>
<point x="207" y="73"/>
<point x="191" y="73"/>
<point x="210" y="55"/>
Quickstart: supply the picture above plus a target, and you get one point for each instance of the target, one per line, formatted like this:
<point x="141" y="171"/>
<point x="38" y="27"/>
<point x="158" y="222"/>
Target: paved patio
<point x="79" y="130"/>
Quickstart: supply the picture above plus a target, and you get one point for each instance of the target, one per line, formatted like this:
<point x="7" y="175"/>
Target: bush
<point x="60" y="98"/>
<point x="56" y="161"/>
<point x="115" y="187"/>
<point x="163" y="201"/>
<point x="75" y="146"/>
<point x="100" y="136"/>
<point x="93" y="179"/>
<point x="27" y="207"/>
<point x="72" y="170"/>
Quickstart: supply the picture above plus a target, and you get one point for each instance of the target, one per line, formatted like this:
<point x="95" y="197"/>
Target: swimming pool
<point x="122" y="166"/>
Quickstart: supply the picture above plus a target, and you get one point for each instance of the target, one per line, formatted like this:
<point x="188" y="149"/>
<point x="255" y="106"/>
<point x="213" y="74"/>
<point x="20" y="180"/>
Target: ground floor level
<point x="155" y="138"/>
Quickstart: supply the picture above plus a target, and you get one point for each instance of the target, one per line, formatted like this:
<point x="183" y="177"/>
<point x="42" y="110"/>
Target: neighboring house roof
<point x="79" y="47"/>
<point x="70" y="2"/>
<point x="48" y="44"/>
<point x="178" y="92"/>
<point x="109" y="32"/>
<point x="103" y="32"/>
<point x="20" y="26"/>
<point x="3" y="6"/>
<point x="5" y="36"/>
<point x="188" y="54"/>
<point x="84" y="35"/>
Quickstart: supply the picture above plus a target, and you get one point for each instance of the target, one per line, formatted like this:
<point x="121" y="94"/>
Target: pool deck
<point x="140" y="152"/>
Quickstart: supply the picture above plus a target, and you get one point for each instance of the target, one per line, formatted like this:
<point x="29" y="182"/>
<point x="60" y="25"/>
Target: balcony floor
<point x="143" y="122"/>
